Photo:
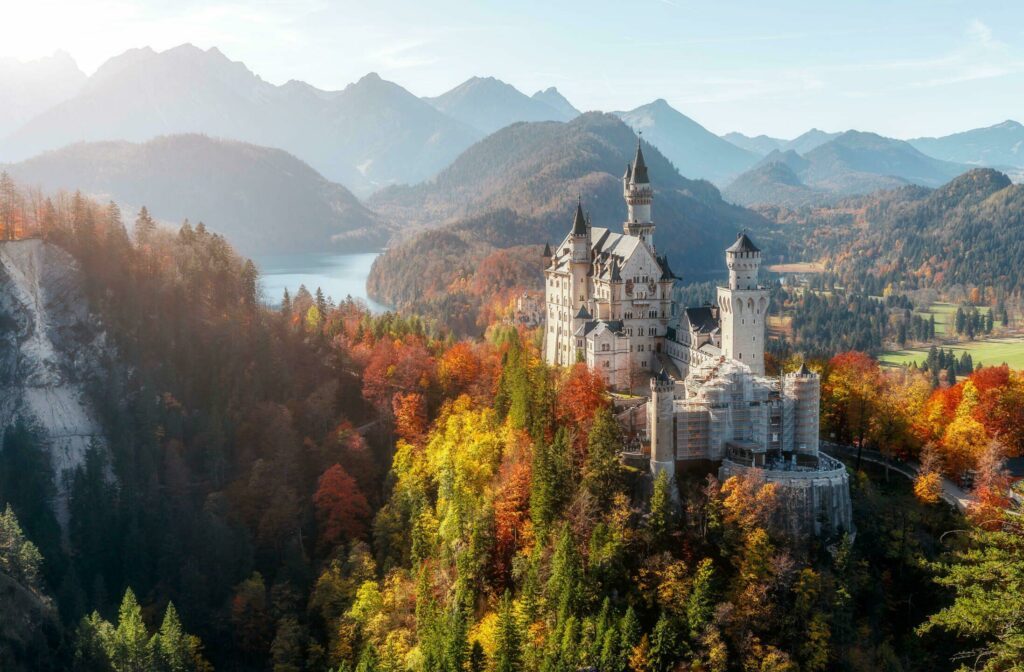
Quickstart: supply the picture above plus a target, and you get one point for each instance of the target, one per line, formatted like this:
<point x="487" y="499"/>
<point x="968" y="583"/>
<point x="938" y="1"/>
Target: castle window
<point x="640" y="348"/>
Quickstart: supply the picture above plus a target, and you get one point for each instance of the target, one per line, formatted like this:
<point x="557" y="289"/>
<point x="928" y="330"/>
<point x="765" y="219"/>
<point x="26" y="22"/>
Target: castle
<point x="609" y="302"/>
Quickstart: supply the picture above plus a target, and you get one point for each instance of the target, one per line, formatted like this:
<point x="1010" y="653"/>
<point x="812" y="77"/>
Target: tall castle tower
<point x="636" y="189"/>
<point x="744" y="306"/>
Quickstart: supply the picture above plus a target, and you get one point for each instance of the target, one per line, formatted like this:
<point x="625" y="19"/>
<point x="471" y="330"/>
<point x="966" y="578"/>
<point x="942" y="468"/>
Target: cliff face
<point x="50" y="346"/>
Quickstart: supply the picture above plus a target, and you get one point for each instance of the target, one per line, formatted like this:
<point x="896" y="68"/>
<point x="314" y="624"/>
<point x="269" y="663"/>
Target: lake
<point x="338" y="275"/>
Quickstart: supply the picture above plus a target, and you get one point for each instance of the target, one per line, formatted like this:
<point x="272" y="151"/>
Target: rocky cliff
<point x="50" y="346"/>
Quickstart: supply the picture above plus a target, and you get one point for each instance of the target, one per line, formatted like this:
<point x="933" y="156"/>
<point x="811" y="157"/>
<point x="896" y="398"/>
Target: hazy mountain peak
<point x="999" y="145"/>
<point x="487" y="104"/>
<point x="554" y="98"/>
<point x="695" y="151"/>
<point x="30" y="87"/>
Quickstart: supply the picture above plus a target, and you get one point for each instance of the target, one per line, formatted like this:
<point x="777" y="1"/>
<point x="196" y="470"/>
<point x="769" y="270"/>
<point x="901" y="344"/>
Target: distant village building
<point x="609" y="303"/>
<point x="529" y="308"/>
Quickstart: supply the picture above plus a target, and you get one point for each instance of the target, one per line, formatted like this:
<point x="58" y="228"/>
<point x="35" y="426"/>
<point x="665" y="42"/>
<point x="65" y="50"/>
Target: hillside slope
<point x="261" y="199"/>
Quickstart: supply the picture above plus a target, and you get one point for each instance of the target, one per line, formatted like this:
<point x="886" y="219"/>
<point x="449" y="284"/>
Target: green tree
<point x="661" y="516"/>
<point x="19" y="557"/>
<point x="602" y="471"/>
<point x="700" y="604"/>
<point x="549" y="481"/>
<point x="565" y="585"/>
<point x="129" y="646"/>
<point x="667" y="646"/>
<point x="986" y="576"/>
<point x="508" y="650"/>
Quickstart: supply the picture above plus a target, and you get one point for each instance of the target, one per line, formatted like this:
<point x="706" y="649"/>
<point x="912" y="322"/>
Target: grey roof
<point x="547" y="249"/>
<point x="628" y="173"/>
<point x="579" y="222"/>
<point x="615" y="275"/>
<point x="743" y="244"/>
<point x="702" y="318"/>
<point x="804" y="371"/>
<point x="583" y="313"/>
<point x="639" y="175"/>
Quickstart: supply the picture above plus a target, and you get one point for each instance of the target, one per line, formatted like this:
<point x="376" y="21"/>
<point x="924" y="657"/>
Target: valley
<point x="398" y="367"/>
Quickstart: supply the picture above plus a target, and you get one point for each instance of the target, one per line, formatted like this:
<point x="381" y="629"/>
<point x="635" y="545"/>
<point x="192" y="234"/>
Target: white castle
<point x="609" y="302"/>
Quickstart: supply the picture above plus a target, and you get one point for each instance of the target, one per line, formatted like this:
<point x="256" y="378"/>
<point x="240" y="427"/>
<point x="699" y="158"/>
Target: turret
<point x="744" y="306"/>
<point x="546" y="255"/>
<point x="636" y="188"/>
<point x="660" y="409"/>
<point x="743" y="259"/>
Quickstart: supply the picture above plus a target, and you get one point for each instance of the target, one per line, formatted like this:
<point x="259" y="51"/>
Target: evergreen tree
<point x="19" y="557"/>
<point x="630" y="634"/>
<point x="508" y="649"/>
<point x="549" y="481"/>
<point x="700" y="603"/>
<point x="26" y="483"/>
<point x="661" y="516"/>
<point x="565" y="588"/>
<point x="666" y="644"/>
<point x="602" y="471"/>
<point x="128" y="646"/>
<point x="9" y="204"/>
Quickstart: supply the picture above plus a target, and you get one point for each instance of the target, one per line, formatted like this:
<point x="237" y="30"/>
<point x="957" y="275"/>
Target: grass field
<point x="945" y="316"/>
<point x="992" y="352"/>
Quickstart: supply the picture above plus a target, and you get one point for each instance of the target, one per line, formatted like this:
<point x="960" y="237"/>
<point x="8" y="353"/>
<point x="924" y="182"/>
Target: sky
<point x="901" y="68"/>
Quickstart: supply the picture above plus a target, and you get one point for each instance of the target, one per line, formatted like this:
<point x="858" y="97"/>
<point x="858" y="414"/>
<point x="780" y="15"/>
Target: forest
<point x="316" y="488"/>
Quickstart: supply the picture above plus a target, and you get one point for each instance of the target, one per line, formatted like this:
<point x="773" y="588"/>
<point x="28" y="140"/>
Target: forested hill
<point x="518" y="188"/>
<point x="968" y="232"/>
<point x="536" y="170"/>
<point x="261" y="199"/>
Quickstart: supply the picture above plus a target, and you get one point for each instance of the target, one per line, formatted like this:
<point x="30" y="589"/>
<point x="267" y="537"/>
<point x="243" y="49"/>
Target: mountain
<point x="758" y="144"/>
<point x="28" y="88"/>
<point x="695" y="151"/>
<point x="809" y="140"/>
<point x="371" y="134"/>
<point x="518" y="187"/>
<point x="772" y="183"/>
<point x="260" y="199"/>
<point x="488" y="104"/>
<point x="999" y="145"/>
<point x="966" y="233"/>
<point x="555" y="100"/>
<point x="858" y="162"/>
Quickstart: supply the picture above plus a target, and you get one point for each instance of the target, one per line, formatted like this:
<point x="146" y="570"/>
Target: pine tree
<point x="700" y="604"/>
<point x="129" y="644"/>
<point x="9" y="202"/>
<point x="564" y="589"/>
<point x="666" y="644"/>
<point x="602" y="471"/>
<point x="144" y="227"/>
<point x="661" y="517"/>
<point x="286" y="304"/>
<point x="19" y="557"/>
<point x="629" y="636"/>
<point x="508" y="651"/>
<point x="549" y="481"/>
<point x="172" y="645"/>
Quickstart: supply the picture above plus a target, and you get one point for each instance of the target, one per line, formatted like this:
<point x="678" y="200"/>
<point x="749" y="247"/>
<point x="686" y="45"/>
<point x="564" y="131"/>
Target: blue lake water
<point x="338" y="275"/>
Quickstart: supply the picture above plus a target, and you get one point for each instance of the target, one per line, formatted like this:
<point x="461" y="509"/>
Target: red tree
<point x="341" y="507"/>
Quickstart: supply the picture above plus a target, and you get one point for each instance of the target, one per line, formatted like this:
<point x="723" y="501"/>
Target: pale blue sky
<point x="899" y="68"/>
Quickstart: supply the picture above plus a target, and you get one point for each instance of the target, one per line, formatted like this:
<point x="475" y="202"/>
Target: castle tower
<point x="636" y="189"/>
<point x="580" y="293"/>
<point x="744" y="306"/>
<point x="660" y="418"/>
<point x="803" y="387"/>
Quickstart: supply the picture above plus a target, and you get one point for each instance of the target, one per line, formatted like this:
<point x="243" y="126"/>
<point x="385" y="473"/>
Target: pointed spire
<point x="639" y="166"/>
<point x="629" y="172"/>
<point x="547" y="250"/>
<point x="579" y="222"/>
<point x="804" y="371"/>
